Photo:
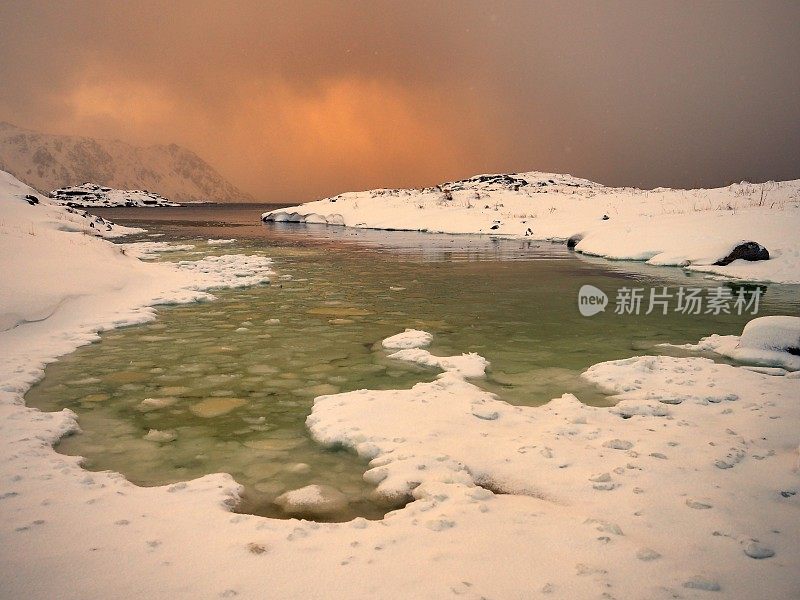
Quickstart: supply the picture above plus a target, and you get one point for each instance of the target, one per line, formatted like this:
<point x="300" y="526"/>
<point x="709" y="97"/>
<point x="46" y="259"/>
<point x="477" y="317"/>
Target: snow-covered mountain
<point x="46" y="162"/>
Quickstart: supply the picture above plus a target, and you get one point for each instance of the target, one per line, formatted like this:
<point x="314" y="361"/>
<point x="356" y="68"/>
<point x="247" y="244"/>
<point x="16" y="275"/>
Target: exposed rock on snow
<point x="312" y="501"/>
<point x="574" y="240"/>
<point x="695" y="229"/>
<point x="92" y="195"/>
<point x="745" y="251"/>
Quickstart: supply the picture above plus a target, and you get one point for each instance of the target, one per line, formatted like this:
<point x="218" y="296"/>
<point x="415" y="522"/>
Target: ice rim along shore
<point x="688" y="485"/>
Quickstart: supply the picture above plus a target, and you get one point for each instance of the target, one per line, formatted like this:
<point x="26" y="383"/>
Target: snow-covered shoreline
<point x="688" y="228"/>
<point x="564" y="500"/>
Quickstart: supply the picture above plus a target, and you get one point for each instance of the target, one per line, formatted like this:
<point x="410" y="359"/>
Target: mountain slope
<point x="46" y="162"/>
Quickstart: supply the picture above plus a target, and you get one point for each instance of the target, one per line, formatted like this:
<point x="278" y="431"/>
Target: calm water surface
<point x="235" y="379"/>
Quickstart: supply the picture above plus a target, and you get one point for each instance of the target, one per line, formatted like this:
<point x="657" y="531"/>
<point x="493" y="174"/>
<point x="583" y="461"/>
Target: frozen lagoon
<point x="231" y="383"/>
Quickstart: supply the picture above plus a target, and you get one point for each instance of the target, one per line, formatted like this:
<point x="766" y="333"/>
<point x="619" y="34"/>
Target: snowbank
<point x="683" y="485"/>
<point x="689" y="228"/>
<point x="766" y="341"/>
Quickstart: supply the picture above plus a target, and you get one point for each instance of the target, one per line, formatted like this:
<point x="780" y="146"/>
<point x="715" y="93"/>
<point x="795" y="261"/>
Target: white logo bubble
<point x="591" y="300"/>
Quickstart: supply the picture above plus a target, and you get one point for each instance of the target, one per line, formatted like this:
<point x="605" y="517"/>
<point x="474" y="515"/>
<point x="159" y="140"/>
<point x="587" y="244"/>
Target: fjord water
<point x="236" y="378"/>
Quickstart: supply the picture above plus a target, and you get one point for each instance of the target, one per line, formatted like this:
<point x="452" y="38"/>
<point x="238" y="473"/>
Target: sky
<point x="297" y="100"/>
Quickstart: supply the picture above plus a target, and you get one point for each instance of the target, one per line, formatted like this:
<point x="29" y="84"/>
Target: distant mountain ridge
<point x="47" y="161"/>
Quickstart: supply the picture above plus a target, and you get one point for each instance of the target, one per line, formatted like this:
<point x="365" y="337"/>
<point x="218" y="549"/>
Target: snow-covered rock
<point x="696" y="229"/>
<point x="312" y="501"/>
<point x="92" y="195"/>
<point x="775" y="334"/>
<point x="772" y="341"/>
<point x="410" y="338"/>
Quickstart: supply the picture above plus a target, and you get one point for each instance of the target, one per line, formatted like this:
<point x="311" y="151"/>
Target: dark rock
<point x="495" y="226"/>
<point x="745" y="251"/>
<point x="573" y="240"/>
<point x="606" y="217"/>
<point x="31" y="199"/>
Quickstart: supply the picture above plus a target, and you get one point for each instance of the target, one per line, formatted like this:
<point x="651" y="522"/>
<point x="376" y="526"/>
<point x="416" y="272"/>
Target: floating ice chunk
<point x="149" y="404"/>
<point x="214" y="407"/>
<point x="229" y="270"/>
<point x="100" y="397"/>
<point x="299" y="468"/>
<point x="278" y="444"/>
<point x="147" y="249"/>
<point x="334" y="311"/>
<point x="466" y="365"/>
<point x="154" y="435"/>
<point x="312" y="501"/>
<point x="410" y="338"/>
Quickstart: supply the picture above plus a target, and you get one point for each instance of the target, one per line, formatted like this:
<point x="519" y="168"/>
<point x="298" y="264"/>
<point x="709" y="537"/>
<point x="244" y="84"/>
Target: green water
<point x="236" y="378"/>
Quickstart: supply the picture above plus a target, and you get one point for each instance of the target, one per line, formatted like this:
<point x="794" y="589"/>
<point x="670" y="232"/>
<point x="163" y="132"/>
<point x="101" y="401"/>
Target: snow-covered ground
<point x="687" y="488"/>
<point x="89" y="195"/>
<point x="689" y="228"/>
